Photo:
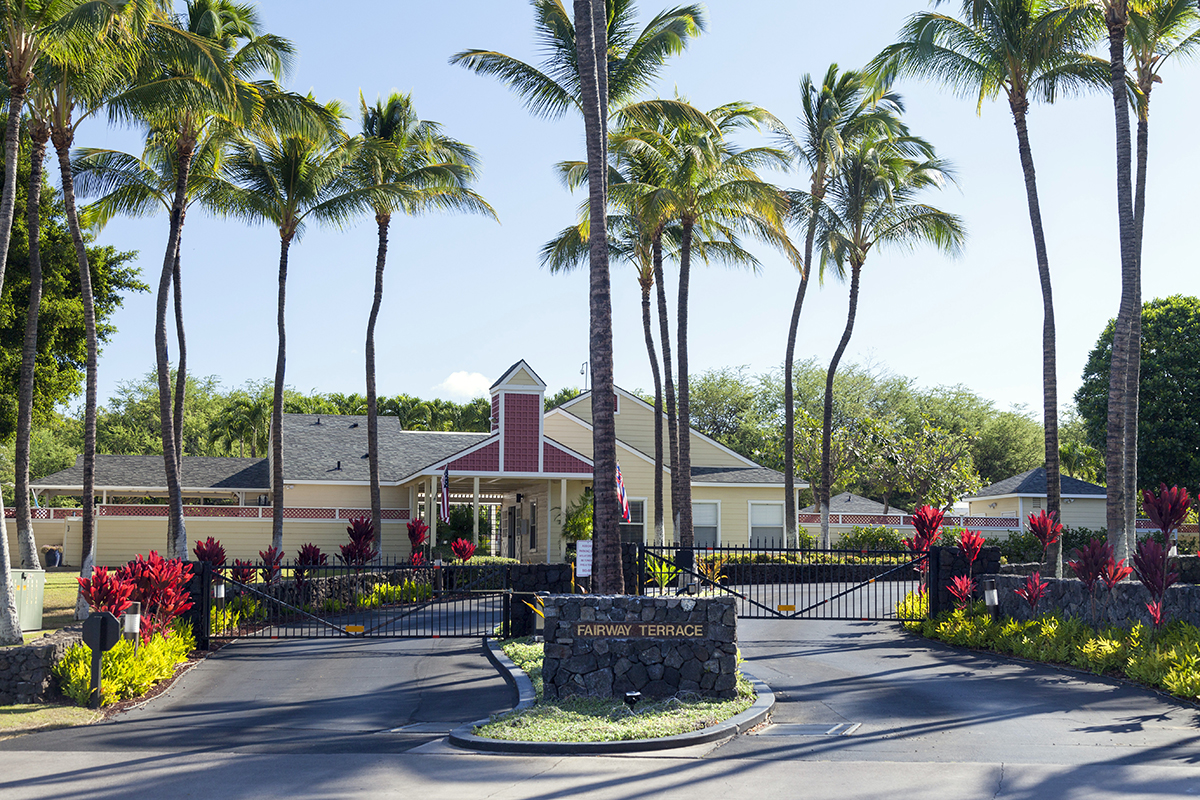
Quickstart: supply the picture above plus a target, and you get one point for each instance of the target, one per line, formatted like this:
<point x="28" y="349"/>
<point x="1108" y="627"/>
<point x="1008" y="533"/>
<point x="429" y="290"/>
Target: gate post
<point x="202" y="605"/>
<point x="933" y="581"/>
<point x="641" y="576"/>
<point x="506" y="619"/>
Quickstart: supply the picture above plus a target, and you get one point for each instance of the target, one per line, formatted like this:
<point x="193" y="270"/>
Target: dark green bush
<point x="872" y="537"/>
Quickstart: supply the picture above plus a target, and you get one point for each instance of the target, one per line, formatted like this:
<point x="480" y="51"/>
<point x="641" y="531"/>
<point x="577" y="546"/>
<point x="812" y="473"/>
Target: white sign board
<point x="583" y="558"/>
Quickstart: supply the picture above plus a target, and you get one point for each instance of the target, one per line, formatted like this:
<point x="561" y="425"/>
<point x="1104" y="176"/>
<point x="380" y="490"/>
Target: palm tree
<point x="243" y="418"/>
<point x="700" y="178"/>
<point x="284" y="177"/>
<point x="872" y="203"/>
<point x="843" y="108"/>
<point x="1018" y="49"/>
<point x="1157" y="31"/>
<point x="428" y="171"/>
<point x="634" y="58"/>
<point x="39" y="136"/>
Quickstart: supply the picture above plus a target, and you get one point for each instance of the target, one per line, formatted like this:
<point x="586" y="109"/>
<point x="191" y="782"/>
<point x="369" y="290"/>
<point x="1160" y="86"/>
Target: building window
<point x="766" y="525"/>
<point x="635" y="530"/>
<point x="705" y="524"/>
<point x="533" y="522"/>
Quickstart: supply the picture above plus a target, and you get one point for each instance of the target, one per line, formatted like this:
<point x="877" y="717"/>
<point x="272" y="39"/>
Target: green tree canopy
<point x="62" y="346"/>
<point x="1168" y="417"/>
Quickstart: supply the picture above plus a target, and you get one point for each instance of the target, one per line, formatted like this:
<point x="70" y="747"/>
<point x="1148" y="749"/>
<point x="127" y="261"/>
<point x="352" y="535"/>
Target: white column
<point x="562" y="504"/>
<point x="549" y="516"/>
<point x="475" y="510"/>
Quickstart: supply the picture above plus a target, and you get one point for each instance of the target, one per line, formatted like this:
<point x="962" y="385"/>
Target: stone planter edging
<point x="464" y="736"/>
<point x="513" y="675"/>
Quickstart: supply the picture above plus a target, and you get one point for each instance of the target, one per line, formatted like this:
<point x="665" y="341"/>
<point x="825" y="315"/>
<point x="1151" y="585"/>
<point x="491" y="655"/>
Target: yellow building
<point x="528" y="468"/>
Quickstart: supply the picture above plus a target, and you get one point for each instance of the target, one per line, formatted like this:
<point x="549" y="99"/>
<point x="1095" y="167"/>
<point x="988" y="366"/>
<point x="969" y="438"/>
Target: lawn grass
<point x="604" y="720"/>
<point x="40" y="717"/>
<point x="58" y="602"/>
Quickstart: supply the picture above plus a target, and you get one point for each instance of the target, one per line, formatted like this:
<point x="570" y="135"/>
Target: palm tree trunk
<point x="1134" y="366"/>
<point x="181" y="338"/>
<point x="10" y="625"/>
<point x="652" y="352"/>
<point x="62" y="146"/>
<point x="1119" y="535"/>
<point x="382" y="220"/>
<point x="1049" y="345"/>
<point x="277" y="403"/>
<point x="687" y="535"/>
<point x="39" y="133"/>
<point x="827" y="420"/>
<point x="664" y="330"/>
<point x="176" y="531"/>
<point x="593" y="66"/>
<point x="789" y="395"/>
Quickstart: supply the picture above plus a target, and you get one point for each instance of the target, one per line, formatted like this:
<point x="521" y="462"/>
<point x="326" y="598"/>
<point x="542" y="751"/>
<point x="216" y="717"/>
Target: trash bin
<point x="30" y="585"/>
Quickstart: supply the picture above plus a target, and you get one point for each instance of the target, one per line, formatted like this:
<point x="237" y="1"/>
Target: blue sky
<point x="466" y="295"/>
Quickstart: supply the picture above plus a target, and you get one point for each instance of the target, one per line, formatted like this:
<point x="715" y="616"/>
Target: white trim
<point x="645" y="501"/>
<point x="500" y="431"/>
<point x="508" y="373"/>
<point x="750" y="504"/>
<point x="779" y="486"/>
<point x="982" y="497"/>
<point x="717" y="503"/>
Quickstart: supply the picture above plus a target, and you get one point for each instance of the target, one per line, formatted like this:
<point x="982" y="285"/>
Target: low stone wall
<point x="657" y="646"/>
<point x="25" y="671"/>
<point x="947" y="562"/>
<point x="1123" y="605"/>
<point x="1188" y="568"/>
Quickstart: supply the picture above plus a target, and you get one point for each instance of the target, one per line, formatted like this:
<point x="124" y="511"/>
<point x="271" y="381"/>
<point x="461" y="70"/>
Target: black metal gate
<point x="779" y="583"/>
<point x="385" y="599"/>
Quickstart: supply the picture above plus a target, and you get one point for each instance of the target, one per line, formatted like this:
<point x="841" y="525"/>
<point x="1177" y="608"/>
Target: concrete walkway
<point x="909" y="719"/>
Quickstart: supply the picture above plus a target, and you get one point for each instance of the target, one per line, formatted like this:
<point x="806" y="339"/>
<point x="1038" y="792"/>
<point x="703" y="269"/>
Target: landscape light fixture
<point x="991" y="597"/>
<point x="133" y="623"/>
<point x="631" y="699"/>
<point x="218" y="591"/>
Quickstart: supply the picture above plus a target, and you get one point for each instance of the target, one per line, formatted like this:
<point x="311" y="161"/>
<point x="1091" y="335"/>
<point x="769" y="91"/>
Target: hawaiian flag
<point x="622" y="498"/>
<point x="444" y="511"/>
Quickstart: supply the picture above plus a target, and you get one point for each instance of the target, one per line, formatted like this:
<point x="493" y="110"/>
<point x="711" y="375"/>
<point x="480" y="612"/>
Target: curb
<point x="514" y="675"/>
<point x="464" y="736"/>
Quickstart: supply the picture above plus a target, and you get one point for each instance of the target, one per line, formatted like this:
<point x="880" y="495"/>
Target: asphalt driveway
<point x="302" y="696"/>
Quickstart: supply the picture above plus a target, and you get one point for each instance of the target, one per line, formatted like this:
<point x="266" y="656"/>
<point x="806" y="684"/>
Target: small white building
<point x="1083" y="503"/>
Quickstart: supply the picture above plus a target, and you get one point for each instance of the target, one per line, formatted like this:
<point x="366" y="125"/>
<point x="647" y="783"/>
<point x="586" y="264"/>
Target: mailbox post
<point x="101" y="631"/>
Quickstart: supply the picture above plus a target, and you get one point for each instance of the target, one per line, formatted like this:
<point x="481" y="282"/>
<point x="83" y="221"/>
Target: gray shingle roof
<point x="1033" y="482"/>
<point x="847" y="503"/>
<point x="736" y="474"/>
<point x="311" y="451"/>
<point x="148" y="472"/>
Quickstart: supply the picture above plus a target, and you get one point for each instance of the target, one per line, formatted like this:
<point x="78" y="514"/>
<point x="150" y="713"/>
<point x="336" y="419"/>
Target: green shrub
<point x="805" y="540"/>
<point x="123" y="673"/>
<point x="407" y="592"/>
<point x="237" y="612"/>
<point x="872" y="537"/>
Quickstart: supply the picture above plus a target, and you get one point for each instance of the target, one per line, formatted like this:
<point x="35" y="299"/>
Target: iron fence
<point x="785" y="583"/>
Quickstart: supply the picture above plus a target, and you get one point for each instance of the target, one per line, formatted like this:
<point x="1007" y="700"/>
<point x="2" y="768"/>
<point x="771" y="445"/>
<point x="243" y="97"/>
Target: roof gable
<point x="1033" y="483"/>
<point x="519" y="374"/>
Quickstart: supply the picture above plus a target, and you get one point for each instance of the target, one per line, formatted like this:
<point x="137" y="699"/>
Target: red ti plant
<point x="243" y="571"/>
<point x="160" y="585"/>
<point x="1168" y="510"/>
<point x="970" y="545"/>
<point x="1090" y="564"/>
<point x="1033" y="590"/>
<point x="927" y="523"/>
<point x="963" y="589"/>
<point x="271" y="561"/>
<point x="210" y="550"/>
<point x="1154" y="571"/>
<point x="463" y="549"/>
<point x="417" y="558"/>
<point x="417" y="533"/>
<point x="361" y="548"/>
<point x="1112" y="574"/>
<point x="1046" y="528"/>
<point x="106" y="592"/>
<point x="308" y="557"/>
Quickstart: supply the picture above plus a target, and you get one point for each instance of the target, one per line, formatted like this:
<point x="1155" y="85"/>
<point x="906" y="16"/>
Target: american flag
<point x="622" y="498"/>
<point x="444" y="511"/>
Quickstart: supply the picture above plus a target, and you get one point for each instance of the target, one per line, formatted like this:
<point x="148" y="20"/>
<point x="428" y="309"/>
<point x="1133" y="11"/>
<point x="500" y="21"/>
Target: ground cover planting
<point x="605" y="720"/>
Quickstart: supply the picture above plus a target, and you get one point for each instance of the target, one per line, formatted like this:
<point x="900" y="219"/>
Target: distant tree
<point x="561" y="396"/>
<point x="1008" y="443"/>
<point x="1168" y="416"/>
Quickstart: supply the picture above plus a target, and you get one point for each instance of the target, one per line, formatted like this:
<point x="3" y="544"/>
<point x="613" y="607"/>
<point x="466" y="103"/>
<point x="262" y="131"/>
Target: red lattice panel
<point x="388" y="514"/>
<point x="990" y="522"/>
<point x="129" y="511"/>
<point x="808" y="519"/>
<point x="557" y="460"/>
<point x="495" y="412"/>
<point x="522" y="427"/>
<point x="485" y="459"/>
<point x="309" y="513"/>
<point x="229" y="512"/>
